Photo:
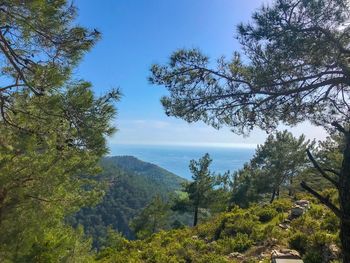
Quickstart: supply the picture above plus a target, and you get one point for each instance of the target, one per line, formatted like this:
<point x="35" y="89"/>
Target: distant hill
<point x="132" y="184"/>
<point x="165" y="180"/>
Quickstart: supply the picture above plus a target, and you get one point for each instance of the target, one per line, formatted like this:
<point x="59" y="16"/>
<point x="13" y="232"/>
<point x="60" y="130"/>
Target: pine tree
<point x="52" y="130"/>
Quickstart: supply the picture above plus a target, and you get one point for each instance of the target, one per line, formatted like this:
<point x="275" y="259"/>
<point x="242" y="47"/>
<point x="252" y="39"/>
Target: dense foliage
<point x="272" y="170"/>
<point x="153" y="218"/>
<point x="130" y="184"/>
<point x="52" y="132"/>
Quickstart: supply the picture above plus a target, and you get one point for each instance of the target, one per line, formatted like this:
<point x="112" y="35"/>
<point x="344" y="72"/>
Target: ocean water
<point x="176" y="159"/>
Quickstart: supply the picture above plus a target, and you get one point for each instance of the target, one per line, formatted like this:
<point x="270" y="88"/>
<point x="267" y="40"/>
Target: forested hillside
<point x="160" y="179"/>
<point x="130" y="186"/>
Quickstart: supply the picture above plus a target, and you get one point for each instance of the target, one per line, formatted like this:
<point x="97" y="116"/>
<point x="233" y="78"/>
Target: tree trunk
<point x="195" y="219"/>
<point x="290" y="190"/>
<point x="154" y="228"/>
<point x="273" y="196"/>
<point x="3" y="193"/>
<point x="344" y="200"/>
<point x="343" y="185"/>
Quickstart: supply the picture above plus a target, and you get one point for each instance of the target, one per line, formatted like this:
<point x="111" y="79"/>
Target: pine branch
<point x="339" y="127"/>
<point x="332" y="171"/>
<point x="322" y="199"/>
<point x="322" y="172"/>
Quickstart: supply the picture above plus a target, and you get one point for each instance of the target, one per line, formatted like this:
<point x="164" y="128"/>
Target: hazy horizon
<point x="176" y="158"/>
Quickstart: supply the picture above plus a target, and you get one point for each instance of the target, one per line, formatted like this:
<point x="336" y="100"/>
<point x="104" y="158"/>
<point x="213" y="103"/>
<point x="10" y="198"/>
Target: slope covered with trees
<point x="130" y="186"/>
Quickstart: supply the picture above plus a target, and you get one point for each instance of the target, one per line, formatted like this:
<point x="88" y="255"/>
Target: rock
<point x="285" y="254"/>
<point x="297" y="211"/>
<point x="235" y="255"/>
<point x="332" y="252"/>
<point x="274" y="240"/>
<point x="284" y="226"/>
<point x="264" y="255"/>
<point x="334" y="249"/>
<point x="299" y="208"/>
<point x="303" y="203"/>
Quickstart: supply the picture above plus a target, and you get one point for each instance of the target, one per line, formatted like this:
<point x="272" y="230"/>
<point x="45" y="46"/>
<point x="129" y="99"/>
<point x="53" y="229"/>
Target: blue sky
<point x="139" y="33"/>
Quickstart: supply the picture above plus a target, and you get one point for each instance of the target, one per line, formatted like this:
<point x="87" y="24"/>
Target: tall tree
<point x="295" y="68"/>
<point x="200" y="190"/>
<point x="280" y="159"/>
<point x="52" y="128"/>
<point x="273" y="166"/>
<point x="246" y="188"/>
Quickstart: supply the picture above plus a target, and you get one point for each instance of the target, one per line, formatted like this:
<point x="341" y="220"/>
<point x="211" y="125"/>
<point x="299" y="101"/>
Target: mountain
<point x="132" y="184"/>
<point x="161" y="179"/>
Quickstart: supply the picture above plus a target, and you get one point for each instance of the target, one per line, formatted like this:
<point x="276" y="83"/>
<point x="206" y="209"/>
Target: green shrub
<point x="266" y="214"/>
<point x="312" y="257"/>
<point x="240" y="222"/>
<point x="240" y="243"/>
<point x="330" y="222"/>
<point x="282" y="205"/>
<point x="299" y="242"/>
<point x="316" y="211"/>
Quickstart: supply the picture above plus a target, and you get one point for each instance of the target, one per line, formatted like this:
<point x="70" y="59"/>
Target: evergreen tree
<point x="152" y="218"/>
<point x="52" y="131"/>
<point x="200" y="191"/>
<point x="274" y="165"/>
<point x="279" y="160"/>
<point x="245" y="186"/>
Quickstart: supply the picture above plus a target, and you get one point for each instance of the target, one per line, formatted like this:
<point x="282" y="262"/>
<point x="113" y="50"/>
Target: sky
<point x="139" y="33"/>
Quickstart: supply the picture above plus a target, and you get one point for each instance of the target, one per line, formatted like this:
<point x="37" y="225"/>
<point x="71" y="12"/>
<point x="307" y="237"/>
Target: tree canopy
<point x="52" y="131"/>
<point x="293" y="67"/>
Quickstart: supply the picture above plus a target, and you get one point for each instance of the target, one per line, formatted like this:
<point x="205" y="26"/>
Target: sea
<point x="176" y="159"/>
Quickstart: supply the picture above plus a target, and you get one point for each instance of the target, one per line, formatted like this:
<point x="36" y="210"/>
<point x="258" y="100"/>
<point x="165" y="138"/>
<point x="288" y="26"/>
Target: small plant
<point x="266" y="214"/>
<point x="299" y="242"/>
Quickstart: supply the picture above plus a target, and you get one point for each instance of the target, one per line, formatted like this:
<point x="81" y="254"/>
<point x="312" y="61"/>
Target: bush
<point x="312" y="257"/>
<point x="282" y="205"/>
<point x="316" y="211"/>
<point x="266" y="214"/>
<point x="298" y="242"/>
<point x="240" y="222"/>
<point x="330" y="222"/>
<point x="240" y="243"/>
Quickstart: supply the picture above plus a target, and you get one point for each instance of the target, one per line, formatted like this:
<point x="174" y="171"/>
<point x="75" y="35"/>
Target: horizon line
<point x="184" y="144"/>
